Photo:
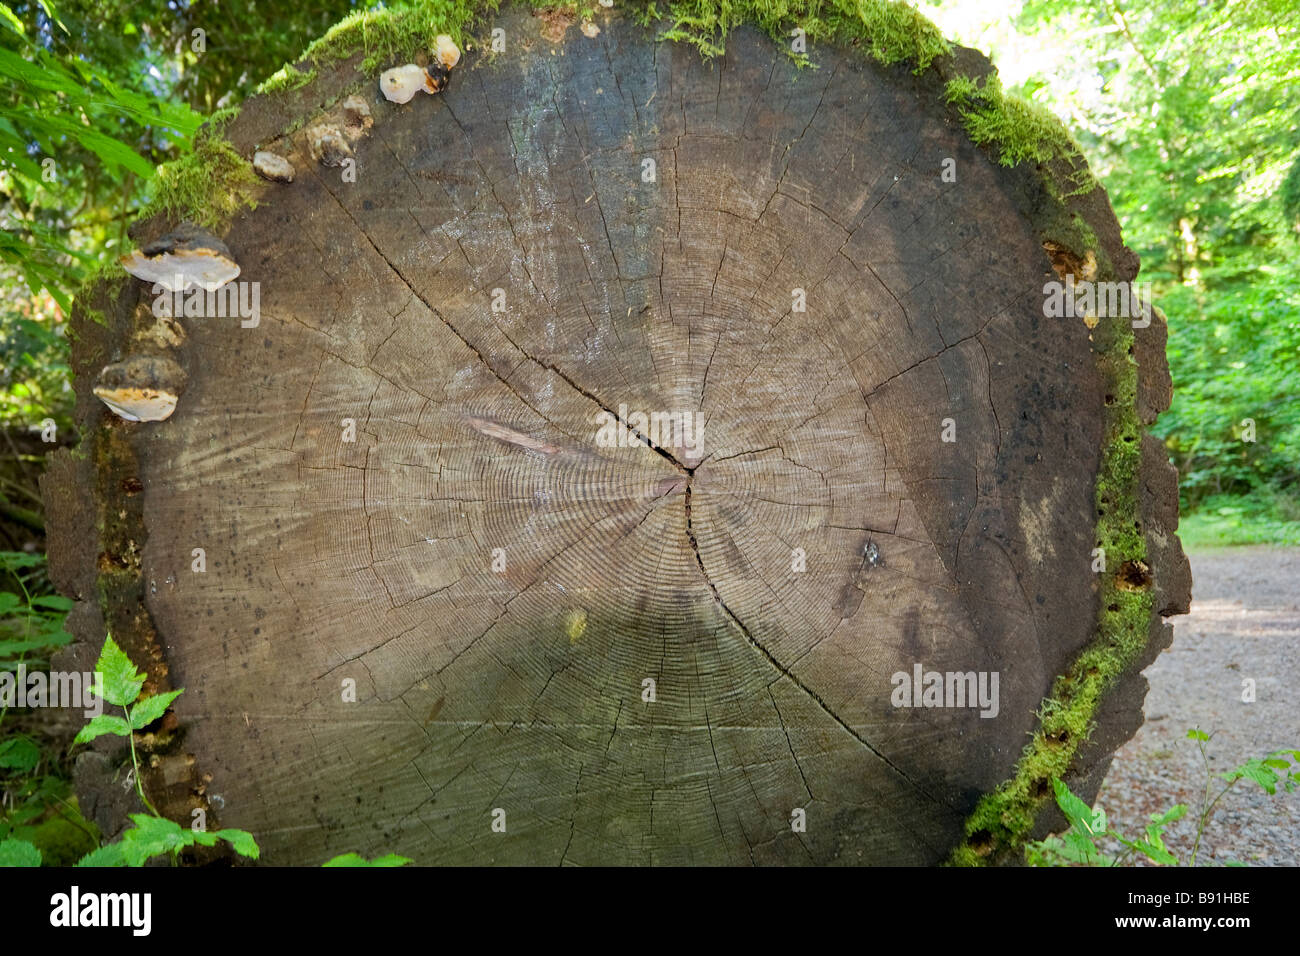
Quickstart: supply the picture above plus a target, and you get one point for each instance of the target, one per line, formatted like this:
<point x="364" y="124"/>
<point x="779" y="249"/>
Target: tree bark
<point x="398" y="478"/>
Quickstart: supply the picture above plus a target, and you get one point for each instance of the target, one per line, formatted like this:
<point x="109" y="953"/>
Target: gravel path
<point x="1244" y="623"/>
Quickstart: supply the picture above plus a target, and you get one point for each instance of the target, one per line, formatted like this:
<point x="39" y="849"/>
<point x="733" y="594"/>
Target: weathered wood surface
<point x="476" y="430"/>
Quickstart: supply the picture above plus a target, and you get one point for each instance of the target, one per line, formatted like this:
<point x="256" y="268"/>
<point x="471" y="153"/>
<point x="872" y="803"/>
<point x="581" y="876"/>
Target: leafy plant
<point x="153" y="835"/>
<point x="37" y="811"/>
<point x="31" y="624"/>
<point x="1277" y="769"/>
<point x="1080" y="844"/>
<point x="63" y="112"/>
<point x="118" y="683"/>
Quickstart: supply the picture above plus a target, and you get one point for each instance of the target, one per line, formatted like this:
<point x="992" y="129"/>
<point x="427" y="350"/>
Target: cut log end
<point x="641" y="459"/>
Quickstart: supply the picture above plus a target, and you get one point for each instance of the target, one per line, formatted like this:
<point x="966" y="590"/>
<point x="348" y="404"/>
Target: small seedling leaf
<point x="120" y="681"/>
<point x="151" y="708"/>
<point x="101" y="725"/>
<point x="241" y="841"/>
<point x="19" y="754"/>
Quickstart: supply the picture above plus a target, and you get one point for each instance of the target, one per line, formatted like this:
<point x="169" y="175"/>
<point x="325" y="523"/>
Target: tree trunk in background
<point x="399" y="482"/>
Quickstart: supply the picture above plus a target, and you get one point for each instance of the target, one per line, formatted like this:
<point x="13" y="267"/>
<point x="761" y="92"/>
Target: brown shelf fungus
<point x="142" y="388"/>
<point x="185" y="257"/>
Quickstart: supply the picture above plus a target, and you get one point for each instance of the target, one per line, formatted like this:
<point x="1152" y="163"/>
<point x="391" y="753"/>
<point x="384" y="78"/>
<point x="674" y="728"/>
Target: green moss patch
<point x="1003" y="820"/>
<point x="107" y="275"/>
<point x="287" y="79"/>
<point x="395" y="34"/>
<point x="1016" y="130"/>
<point x="890" y="31"/>
<point x="62" y="835"/>
<point x="210" y="185"/>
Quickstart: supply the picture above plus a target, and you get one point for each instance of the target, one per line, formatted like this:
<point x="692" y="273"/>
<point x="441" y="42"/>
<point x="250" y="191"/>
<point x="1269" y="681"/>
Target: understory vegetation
<point x="1089" y="839"/>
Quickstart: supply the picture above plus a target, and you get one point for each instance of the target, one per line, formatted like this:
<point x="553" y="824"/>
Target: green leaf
<point x="109" y="855"/>
<point x="1082" y="817"/>
<point x="203" y="837"/>
<point x="56" y="601"/>
<point x="20" y="754"/>
<point x="1197" y="735"/>
<point x="1078" y="847"/>
<point x="37" y="643"/>
<point x="1255" y="770"/>
<point x="101" y="725"/>
<point x="1261" y="775"/>
<point x="355" y="859"/>
<point x="152" y="836"/>
<point x="11" y="20"/>
<point x="1176" y="812"/>
<point x="151" y="708"/>
<point x="20" y="560"/>
<point x="18" y="70"/>
<point x="1156" y="853"/>
<point x="1045" y="852"/>
<point x="115" y="153"/>
<point x="121" y="681"/>
<point x="241" y="841"/>
<point x="49" y="12"/>
<point x="1153" y="847"/>
<point x="53" y="634"/>
<point x="19" y="853"/>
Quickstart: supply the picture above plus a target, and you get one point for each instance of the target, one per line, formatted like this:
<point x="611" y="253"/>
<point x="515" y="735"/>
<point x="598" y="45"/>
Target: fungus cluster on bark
<point x="401" y="83"/>
<point x="145" y="385"/>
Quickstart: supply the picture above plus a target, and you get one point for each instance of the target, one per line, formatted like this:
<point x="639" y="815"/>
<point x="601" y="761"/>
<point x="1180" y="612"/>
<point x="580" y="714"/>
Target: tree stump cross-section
<point x="611" y="455"/>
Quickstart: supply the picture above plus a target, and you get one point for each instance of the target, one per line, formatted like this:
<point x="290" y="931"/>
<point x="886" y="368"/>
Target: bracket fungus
<point x="142" y="388"/>
<point x="185" y="257"/>
<point x="273" y="166"/>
